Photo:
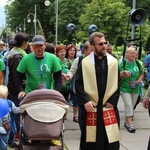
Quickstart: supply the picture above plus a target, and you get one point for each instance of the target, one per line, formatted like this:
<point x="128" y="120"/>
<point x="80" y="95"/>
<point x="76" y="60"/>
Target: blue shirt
<point x="147" y="65"/>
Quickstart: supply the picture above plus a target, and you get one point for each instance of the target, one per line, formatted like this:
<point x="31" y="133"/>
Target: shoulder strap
<point x="138" y="64"/>
<point x="69" y="64"/>
<point x="9" y="103"/>
<point x="124" y="64"/>
<point x="80" y="59"/>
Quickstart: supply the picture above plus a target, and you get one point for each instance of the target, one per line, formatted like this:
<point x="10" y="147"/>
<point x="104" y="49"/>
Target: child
<point x="7" y="119"/>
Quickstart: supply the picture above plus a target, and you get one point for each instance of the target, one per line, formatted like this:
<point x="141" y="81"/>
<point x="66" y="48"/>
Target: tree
<point x="69" y="12"/>
<point x="147" y="45"/>
<point x="18" y="10"/>
<point x="119" y="41"/>
<point x="111" y="17"/>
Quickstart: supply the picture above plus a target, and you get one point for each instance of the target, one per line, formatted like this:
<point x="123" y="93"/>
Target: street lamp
<point x="24" y="25"/>
<point x="17" y="29"/>
<point x="34" y="20"/>
<point x="47" y="3"/>
<point x="20" y="26"/>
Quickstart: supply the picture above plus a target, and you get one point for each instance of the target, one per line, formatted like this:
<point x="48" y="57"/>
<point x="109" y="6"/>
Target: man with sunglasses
<point x="97" y="89"/>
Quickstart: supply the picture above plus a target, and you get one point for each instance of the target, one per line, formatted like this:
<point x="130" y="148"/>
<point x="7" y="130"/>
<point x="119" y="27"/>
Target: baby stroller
<point x="42" y="116"/>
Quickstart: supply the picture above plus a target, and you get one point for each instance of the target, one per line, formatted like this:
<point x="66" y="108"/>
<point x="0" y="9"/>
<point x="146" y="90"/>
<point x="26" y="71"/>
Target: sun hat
<point x="1" y="42"/>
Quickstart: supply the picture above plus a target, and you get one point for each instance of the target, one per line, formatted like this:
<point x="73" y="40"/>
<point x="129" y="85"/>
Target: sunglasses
<point x="102" y="43"/>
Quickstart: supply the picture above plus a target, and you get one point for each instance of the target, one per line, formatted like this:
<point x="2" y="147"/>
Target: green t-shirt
<point x="39" y="72"/>
<point x="2" y="65"/>
<point x="135" y="74"/>
<point x="65" y="66"/>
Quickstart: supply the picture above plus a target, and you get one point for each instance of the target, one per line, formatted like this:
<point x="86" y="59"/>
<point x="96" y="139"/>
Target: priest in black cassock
<point x="97" y="89"/>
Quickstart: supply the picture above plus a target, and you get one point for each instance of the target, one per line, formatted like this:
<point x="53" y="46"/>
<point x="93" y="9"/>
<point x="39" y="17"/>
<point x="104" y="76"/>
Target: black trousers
<point x="148" y="148"/>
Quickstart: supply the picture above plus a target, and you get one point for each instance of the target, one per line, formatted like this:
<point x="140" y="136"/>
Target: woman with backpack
<point x="20" y="43"/>
<point x="130" y="86"/>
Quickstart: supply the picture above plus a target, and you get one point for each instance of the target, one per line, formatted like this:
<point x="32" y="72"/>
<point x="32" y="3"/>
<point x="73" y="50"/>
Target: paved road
<point x="129" y="141"/>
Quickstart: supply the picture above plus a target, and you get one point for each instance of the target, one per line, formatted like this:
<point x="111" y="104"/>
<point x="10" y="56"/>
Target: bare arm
<point x="2" y="77"/>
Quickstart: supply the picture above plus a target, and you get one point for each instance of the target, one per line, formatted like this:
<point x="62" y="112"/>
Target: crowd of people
<point x="91" y="78"/>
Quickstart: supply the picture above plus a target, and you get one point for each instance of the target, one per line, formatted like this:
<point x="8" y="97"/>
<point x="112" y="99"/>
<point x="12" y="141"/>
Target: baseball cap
<point x="38" y="39"/>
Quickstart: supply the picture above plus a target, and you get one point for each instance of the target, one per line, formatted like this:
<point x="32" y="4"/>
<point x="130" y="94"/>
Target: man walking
<point x="97" y="89"/>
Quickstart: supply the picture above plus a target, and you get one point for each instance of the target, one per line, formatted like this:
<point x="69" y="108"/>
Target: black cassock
<point x="101" y="77"/>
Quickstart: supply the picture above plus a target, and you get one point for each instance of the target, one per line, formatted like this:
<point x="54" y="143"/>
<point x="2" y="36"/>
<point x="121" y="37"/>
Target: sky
<point x="2" y="15"/>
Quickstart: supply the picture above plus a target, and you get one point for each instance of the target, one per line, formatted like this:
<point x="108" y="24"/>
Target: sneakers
<point x="129" y="127"/>
<point x="55" y="142"/>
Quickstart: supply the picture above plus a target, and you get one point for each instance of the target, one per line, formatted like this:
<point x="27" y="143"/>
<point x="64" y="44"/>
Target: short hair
<point x="3" y="91"/>
<point x="130" y="49"/>
<point x="60" y="47"/>
<point x="93" y="35"/>
<point x="109" y="45"/>
<point x="86" y="45"/>
<point x="50" y="48"/>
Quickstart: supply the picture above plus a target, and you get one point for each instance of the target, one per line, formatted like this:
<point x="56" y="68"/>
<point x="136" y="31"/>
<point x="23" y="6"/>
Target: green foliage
<point x="69" y="12"/>
<point x="111" y="17"/>
<point x="118" y="51"/>
<point x="119" y="41"/>
<point x="147" y="45"/>
<point x="6" y="34"/>
<point x="65" y="42"/>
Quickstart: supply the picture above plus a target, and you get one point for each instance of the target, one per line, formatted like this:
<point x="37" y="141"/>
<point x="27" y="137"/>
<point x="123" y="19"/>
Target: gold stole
<point x="90" y="88"/>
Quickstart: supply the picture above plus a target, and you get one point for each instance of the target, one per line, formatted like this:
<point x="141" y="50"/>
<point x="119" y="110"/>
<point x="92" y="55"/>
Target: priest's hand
<point x="90" y="106"/>
<point x="108" y="105"/>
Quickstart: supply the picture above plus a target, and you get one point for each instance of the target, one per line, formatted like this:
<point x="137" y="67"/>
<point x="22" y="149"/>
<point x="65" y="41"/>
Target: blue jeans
<point x="3" y="141"/>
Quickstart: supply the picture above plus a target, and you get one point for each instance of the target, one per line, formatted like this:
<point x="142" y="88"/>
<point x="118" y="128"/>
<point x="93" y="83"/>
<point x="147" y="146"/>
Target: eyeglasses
<point x="102" y="43"/>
